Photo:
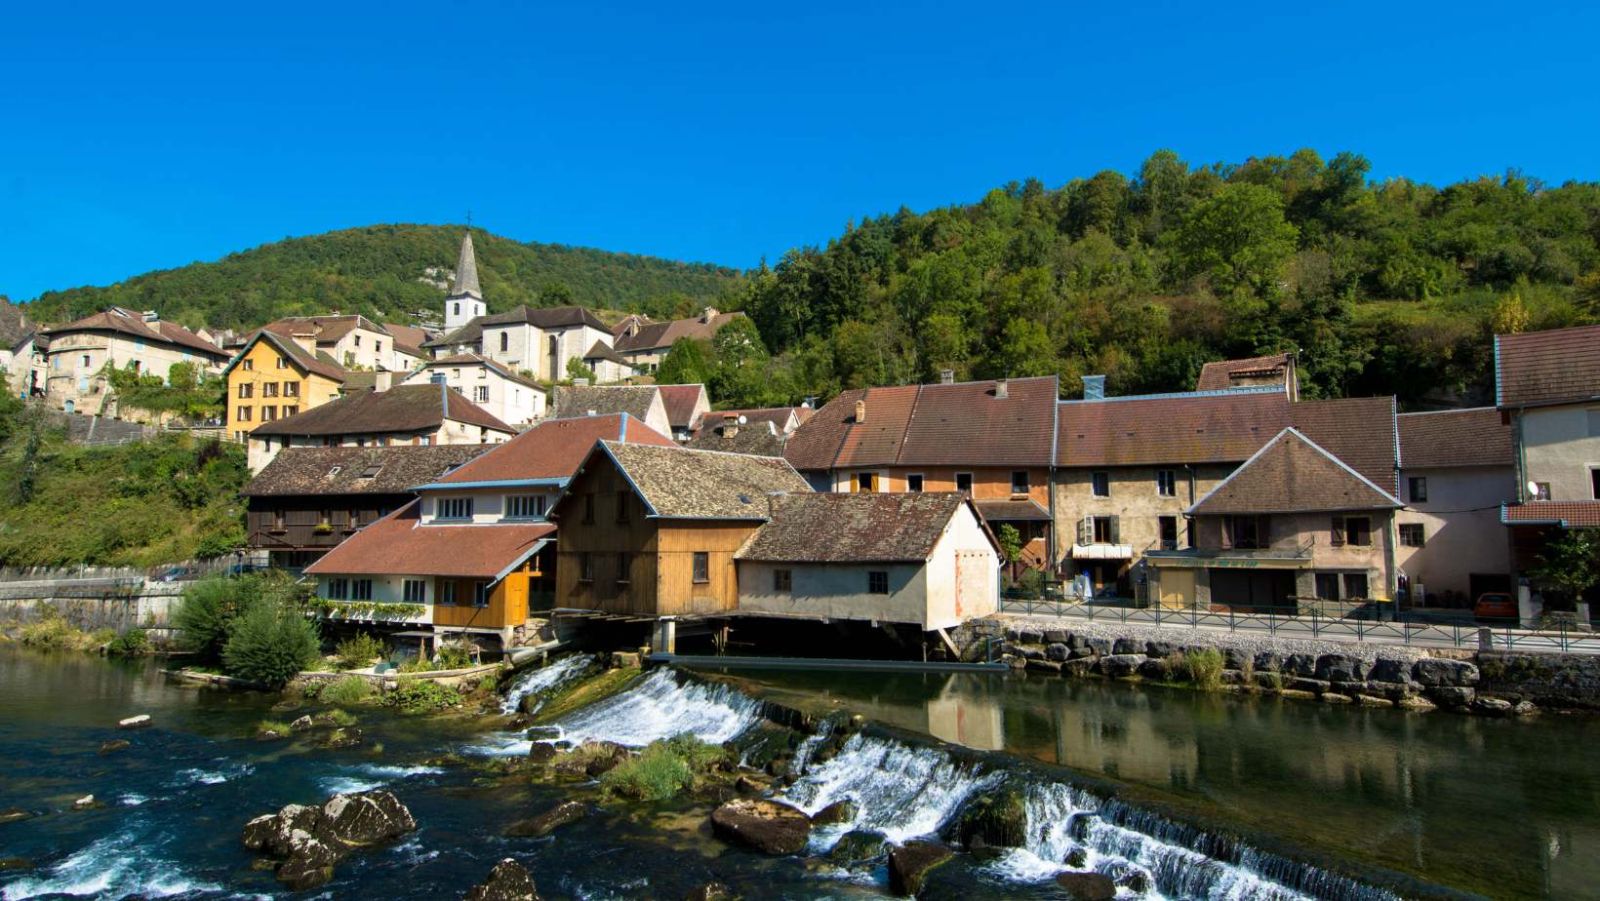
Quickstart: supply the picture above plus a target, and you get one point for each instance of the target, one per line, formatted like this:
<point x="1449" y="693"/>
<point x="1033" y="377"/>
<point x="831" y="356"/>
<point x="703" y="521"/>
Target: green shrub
<point x="422" y="696"/>
<point x="658" y="773"/>
<point x="417" y="665"/>
<point x="274" y="727"/>
<point x="347" y="691"/>
<point x="452" y="657"/>
<point x="270" y="643"/>
<point x="311" y="691"/>
<point x="341" y="718"/>
<point x="1204" y="666"/>
<point x="52" y="633"/>
<point x="209" y="608"/>
<point x="132" y="643"/>
<point x="359" y="650"/>
<point x="699" y="755"/>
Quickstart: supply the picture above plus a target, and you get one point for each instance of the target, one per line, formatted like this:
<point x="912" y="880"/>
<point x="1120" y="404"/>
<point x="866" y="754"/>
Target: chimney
<point x="1094" y="387"/>
<point x="947" y="376"/>
<point x="861" y="411"/>
<point x="708" y="314"/>
<point x="151" y="316"/>
<point x="382" y="380"/>
<point x="1002" y="389"/>
<point x="306" y="340"/>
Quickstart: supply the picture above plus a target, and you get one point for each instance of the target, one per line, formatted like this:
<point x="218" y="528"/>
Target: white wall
<point x="963" y="574"/>
<point x="1461" y="526"/>
<point x="835" y="591"/>
<point x="386" y="589"/>
<point x="509" y="400"/>
<point x="488" y="504"/>
<point x="1559" y="447"/>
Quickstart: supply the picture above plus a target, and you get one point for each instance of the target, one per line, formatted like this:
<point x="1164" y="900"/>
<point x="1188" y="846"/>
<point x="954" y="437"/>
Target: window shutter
<point x="1338" y="531"/>
<point x="1226" y="523"/>
<point x="1116" y="530"/>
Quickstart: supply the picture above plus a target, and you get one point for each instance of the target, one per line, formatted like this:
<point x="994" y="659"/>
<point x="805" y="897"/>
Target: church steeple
<point x="465" y="302"/>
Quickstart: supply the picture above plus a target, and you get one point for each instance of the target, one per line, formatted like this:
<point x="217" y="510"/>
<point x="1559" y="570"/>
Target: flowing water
<point x="544" y="679"/>
<point x="173" y="804"/>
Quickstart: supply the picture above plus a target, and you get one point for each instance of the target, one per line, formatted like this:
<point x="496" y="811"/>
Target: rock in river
<point x="999" y="820"/>
<point x="909" y="865"/>
<point x="768" y="826"/>
<point x="545" y="823"/>
<point x="508" y="881"/>
<point x="115" y="745"/>
<point x="1087" y="886"/>
<point x="134" y="722"/>
<point x="309" y="841"/>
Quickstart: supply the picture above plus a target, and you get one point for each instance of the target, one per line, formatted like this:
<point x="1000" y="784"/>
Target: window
<point x="866" y="481"/>
<point x="458" y="310"/>
<point x="964" y="482"/>
<point x="338" y="589"/>
<point x="279" y="521"/>
<point x="290" y="410"/>
<point x="1167" y="528"/>
<point x="1100" y="484"/>
<point x="1594" y="483"/>
<point x="622" y="507"/>
<point x="783" y="580"/>
<point x="1417" y="486"/>
<point x="588" y="508"/>
<point x="505" y="342"/>
<point x="1019" y="481"/>
<point x="914" y="482"/>
<point x="481" y="394"/>
<point x="243" y="414"/>
<point x="269" y="412"/>
<point x="361" y="590"/>
<point x="1244" y="532"/>
<point x="1104" y="530"/>
<point x="455" y="508"/>
<point x="325" y="519"/>
<point x="1327" y="586"/>
<point x="1541" y="491"/>
<point x="447" y="592"/>
<point x="246" y="390"/>
<point x="358" y="340"/>
<point x="283" y="363"/>
<point x="624" y="568"/>
<point x="1355" y="531"/>
<point x="877" y="581"/>
<point x="480" y="594"/>
<point x="1411" y="535"/>
<point x="702" y="566"/>
<point x="269" y="389"/>
<point x="1355" y="585"/>
<point x="1166" y="483"/>
<point x="414" y="591"/>
<point x="86" y="359"/>
<point x="291" y="389"/>
<point x="585" y="567"/>
<point x="525" y="506"/>
<point x="247" y="365"/>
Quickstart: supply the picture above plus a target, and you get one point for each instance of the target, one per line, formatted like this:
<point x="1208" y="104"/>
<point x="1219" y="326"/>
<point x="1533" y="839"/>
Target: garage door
<point x="1252" y="588"/>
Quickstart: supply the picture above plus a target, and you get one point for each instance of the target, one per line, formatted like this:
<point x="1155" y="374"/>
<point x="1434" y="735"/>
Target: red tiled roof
<point x="403" y="408"/>
<point x="1566" y="514"/>
<point x="1291" y="474"/>
<point x="1358" y="430"/>
<point x="931" y="425"/>
<point x="1550" y="367"/>
<point x="301" y="357"/>
<point x="680" y="401"/>
<point x="399" y="544"/>
<point x="328" y="329"/>
<point x="1220" y="374"/>
<point x="777" y="416"/>
<point x="1475" y="437"/>
<point x="853" y="528"/>
<point x="554" y="448"/>
<point x="1145" y="431"/>
<point x="128" y="322"/>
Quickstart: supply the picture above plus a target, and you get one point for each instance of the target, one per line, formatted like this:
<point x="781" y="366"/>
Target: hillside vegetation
<point x="377" y="271"/>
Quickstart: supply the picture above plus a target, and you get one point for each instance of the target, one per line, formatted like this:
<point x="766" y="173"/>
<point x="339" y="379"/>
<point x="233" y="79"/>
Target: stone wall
<point x="149" y="608"/>
<point x="1551" y="680"/>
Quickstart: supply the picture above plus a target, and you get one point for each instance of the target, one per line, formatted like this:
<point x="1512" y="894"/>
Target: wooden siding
<point x="301" y="516"/>
<point x="508" y="602"/>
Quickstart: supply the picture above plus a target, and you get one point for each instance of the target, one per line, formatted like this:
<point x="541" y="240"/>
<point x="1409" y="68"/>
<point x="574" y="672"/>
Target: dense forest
<point x="1383" y="287"/>
<point x="382" y="272"/>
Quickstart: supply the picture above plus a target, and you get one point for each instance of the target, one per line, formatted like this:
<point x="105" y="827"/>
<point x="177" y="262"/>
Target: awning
<point x="1012" y="511"/>
<point x="1102" y="552"/>
<point x="1566" y="514"/>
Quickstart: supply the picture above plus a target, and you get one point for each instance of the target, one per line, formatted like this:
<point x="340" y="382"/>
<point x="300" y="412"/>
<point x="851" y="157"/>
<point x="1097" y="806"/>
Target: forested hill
<point x="377" y="270"/>
<point x="1387" y="286"/>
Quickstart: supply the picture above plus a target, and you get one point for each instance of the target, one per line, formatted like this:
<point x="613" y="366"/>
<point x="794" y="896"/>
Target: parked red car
<point x="1495" y="605"/>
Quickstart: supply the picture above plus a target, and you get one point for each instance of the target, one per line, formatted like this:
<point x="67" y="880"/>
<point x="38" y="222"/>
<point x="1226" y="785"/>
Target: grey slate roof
<point x="466" y="280"/>
<point x="358" y="470"/>
<point x="759" y="438"/>
<point x="853" y="528"/>
<point x="689" y="484"/>
<point x="579" y="400"/>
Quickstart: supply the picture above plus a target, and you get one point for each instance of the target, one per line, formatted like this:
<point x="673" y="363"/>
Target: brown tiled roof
<point x="13" y="324"/>
<point x="328" y="329"/>
<point x="1474" y="437"/>
<point x="1566" y="514"/>
<point x="659" y="335"/>
<point x="129" y="322"/>
<point x="778" y="416"/>
<point x="1292" y="474"/>
<point x="601" y="351"/>
<point x="399" y="544"/>
<point x="470" y="359"/>
<point x="554" y="448"/>
<point x="1012" y="511"/>
<point x="1550" y="367"/>
<point x="357" y="470"/>
<point x="1360" y="431"/>
<point x="932" y="425"/>
<point x="403" y="408"/>
<point x="578" y="400"/>
<point x="1221" y="374"/>
<point x="689" y="484"/>
<point x="539" y="317"/>
<point x="1176" y="428"/>
<point x="318" y="363"/>
<point x="408" y="336"/>
<point x="853" y="528"/>
<point x="680" y="401"/>
<point x="759" y="438"/>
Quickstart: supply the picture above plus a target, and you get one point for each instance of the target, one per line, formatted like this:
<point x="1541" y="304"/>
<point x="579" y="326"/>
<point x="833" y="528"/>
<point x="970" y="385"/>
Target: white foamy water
<point x="543" y="679"/>
<point x="370" y="776"/>
<point x="661" y="707"/>
<point x="115" y="866"/>
<point x="217" y="776"/>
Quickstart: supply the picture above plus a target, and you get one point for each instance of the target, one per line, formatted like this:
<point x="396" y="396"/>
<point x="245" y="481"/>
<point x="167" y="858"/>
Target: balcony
<point x="370" y="611"/>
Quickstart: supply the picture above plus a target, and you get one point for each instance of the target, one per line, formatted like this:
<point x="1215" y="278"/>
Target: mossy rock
<point x="858" y="847"/>
<point x="586" y="692"/>
<point x="997" y="820"/>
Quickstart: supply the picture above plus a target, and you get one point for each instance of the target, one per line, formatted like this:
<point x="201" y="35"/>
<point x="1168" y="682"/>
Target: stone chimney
<point x="382" y="380"/>
<point x="708" y="314"/>
<point x="151" y="316"/>
<point x="1002" y="389"/>
<point x="1094" y="387"/>
<point x="861" y="411"/>
<point x="730" y="426"/>
<point x="307" y="341"/>
<point x="947" y="376"/>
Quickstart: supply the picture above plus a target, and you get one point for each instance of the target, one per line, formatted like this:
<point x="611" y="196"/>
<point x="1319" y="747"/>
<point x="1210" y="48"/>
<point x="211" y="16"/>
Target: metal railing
<point x="1362" y="624"/>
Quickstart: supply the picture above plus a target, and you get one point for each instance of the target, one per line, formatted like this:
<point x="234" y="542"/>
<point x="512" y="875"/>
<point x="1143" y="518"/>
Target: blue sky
<point x="135" y="137"/>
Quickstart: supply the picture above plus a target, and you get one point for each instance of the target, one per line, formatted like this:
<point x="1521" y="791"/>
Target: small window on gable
<point x="914" y="483"/>
<point x="964" y="482"/>
<point x="1166" y="483"/>
<point x="1411" y="534"/>
<point x="702" y="566"/>
<point x="1100" y="484"/>
<point x="1417" y="487"/>
<point x="783" y="580"/>
<point x="1019" y="481"/>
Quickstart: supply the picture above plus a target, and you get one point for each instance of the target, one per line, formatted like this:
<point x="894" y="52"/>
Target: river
<point x="1500" y="808"/>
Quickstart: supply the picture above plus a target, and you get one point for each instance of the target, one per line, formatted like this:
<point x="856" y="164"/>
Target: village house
<point x="508" y="396"/>
<point x="352" y="342"/>
<point x="1275" y="371"/>
<point x="274" y="377"/>
<point x="79" y="355"/>
<point x="607" y="365"/>
<point x="385" y="415"/>
<point x="918" y="559"/>
<point x="651" y="531"/>
<point x="994" y="440"/>
<point x="473" y="553"/>
<point x="1547" y="389"/>
<point x="25" y="367"/>
<point x="642" y="402"/>
<point x="1293" y="525"/>
<point x="539" y="342"/>
<point x="310" y="499"/>
<point x="731" y="433"/>
<point x="784" y="420"/>
<point x="644" y="343"/>
<point x="1455" y="473"/>
<point x="685" y="405"/>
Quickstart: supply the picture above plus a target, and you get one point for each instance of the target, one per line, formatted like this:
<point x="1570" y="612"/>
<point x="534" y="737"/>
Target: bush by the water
<point x="452" y="657"/>
<point x="130" y="643"/>
<point x="347" y="691"/>
<point x="51" y="632"/>
<point x="1204" y="668"/>
<point x="422" y="696"/>
<point x="206" y="614"/>
<point x="663" y="769"/>
<point x="270" y="643"/>
<point x="359" y="650"/>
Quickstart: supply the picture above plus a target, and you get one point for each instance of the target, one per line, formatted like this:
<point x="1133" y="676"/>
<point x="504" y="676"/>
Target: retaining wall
<point x="147" y="607"/>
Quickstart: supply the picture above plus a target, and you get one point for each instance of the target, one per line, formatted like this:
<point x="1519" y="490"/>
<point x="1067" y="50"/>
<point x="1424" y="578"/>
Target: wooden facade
<point x="508" y="605"/>
<point x="297" y="529"/>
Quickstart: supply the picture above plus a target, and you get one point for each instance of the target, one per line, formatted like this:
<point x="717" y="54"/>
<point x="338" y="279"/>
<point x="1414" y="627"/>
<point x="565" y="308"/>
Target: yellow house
<point x="274" y="377"/>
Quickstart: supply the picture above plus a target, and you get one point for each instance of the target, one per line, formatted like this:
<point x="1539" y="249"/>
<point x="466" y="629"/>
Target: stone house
<point x="644" y="344"/>
<point x="538" y="342"/>
<point x="350" y="341"/>
<point x="510" y="397"/>
<point x="642" y="402"/>
<point x="1273" y="371"/>
<point x="77" y="356"/>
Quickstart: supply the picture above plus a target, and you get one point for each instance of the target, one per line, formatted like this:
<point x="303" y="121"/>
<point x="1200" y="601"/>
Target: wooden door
<point x="1177" y="588"/>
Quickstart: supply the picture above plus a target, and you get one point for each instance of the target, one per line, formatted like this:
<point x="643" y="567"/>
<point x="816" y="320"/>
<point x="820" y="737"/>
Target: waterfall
<point x="662" y="706"/>
<point x="543" y="679"/>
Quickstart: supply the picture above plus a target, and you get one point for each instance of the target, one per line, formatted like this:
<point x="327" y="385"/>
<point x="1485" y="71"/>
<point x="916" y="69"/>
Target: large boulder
<point x="1300" y="665"/>
<point x="508" y="881"/>
<point x="1159" y="649"/>
<point x="1154" y="670"/>
<point x="309" y="841"/>
<point x="1340" y="668"/>
<point x="563" y="814"/>
<point x="1057" y="651"/>
<point x="1436" y="671"/>
<point x="997" y="820"/>
<point x="858" y="847"/>
<point x="1267" y="662"/>
<point x="910" y="863"/>
<point x="1127" y="646"/>
<point x="771" y="827"/>
<point x="1456" y="697"/>
<point x="1057" y="636"/>
<point x="1101" y="647"/>
<point x="838" y="812"/>
<point x="1121" y="665"/>
<point x="1387" y="669"/>
<point x="1087" y="886"/>
<point x="367" y="818"/>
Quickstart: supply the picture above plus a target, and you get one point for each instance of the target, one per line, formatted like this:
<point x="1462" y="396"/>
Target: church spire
<point x="466" y="281"/>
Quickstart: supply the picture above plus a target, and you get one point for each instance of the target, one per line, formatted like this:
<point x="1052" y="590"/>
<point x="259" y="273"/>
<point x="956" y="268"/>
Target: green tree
<point x="1238" y="239"/>
<point x="1510" y="315"/>
<point x="270" y="642"/>
<point x="1569" y="564"/>
<point x="688" y="362"/>
<point x="577" y="369"/>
